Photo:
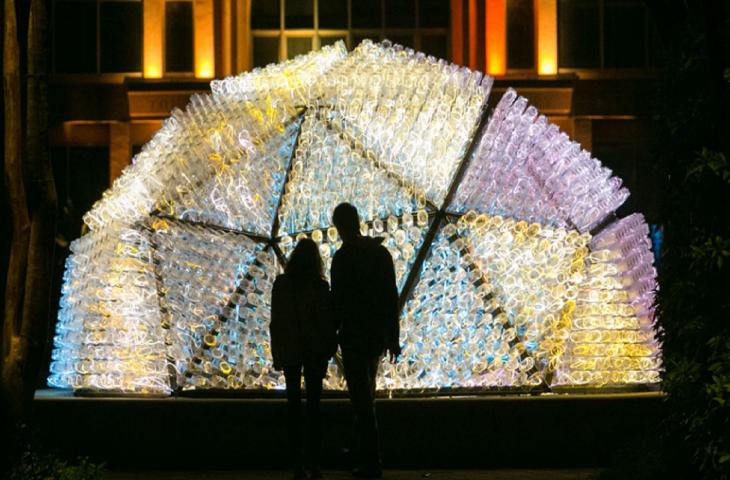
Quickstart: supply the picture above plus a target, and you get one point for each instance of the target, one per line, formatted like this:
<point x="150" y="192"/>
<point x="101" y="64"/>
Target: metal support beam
<point x="275" y="224"/>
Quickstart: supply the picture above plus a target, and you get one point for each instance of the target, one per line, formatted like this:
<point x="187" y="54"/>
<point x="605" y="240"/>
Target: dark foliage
<point x="691" y="158"/>
<point x="28" y="458"/>
<point x="691" y="153"/>
<point x="33" y="466"/>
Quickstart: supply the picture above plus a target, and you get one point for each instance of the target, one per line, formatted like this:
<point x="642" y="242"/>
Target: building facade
<point x="120" y="66"/>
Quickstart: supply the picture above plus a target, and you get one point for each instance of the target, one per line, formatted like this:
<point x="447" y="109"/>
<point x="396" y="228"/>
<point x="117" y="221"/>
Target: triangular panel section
<point x="535" y="272"/>
<point x="236" y="351"/>
<point x="235" y="123"/>
<point x="612" y="338"/>
<point x="417" y="114"/>
<point x="108" y="335"/>
<point x="453" y="330"/>
<point x="403" y="237"/>
<point x="328" y="169"/>
<point x="199" y="269"/>
<point x="525" y="168"/>
<point x="243" y="192"/>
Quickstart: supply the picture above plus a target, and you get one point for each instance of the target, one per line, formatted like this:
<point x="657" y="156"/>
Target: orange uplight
<point x="204" y="37"/>
<point x="153" y="18"/>
<point x="547" y="66"/>
<point x="546" y="36"/>
<point x="204" y="71"/>
<point x="152" y="71"/>
<point x="496" y="37"/>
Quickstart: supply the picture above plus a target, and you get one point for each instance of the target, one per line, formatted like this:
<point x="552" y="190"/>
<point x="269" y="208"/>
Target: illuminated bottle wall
<point x="513" y="271"/>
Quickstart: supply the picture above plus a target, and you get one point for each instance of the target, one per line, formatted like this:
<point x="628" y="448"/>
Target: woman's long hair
<point x="305" y="261"/>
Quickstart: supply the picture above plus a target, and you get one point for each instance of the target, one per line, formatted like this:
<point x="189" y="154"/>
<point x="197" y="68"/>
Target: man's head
<point x="346" y="220"/>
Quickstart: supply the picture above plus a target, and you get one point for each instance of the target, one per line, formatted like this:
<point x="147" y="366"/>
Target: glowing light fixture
<point x="516" y="276"/>
<point x="204" y="39"/>
<point x="546" y="36"/>
<point x="153" y="21"/>
<point x="496" y="37"/>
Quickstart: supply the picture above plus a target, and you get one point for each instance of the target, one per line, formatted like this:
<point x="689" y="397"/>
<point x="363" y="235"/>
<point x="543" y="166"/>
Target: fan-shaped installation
<point x="513" y="270"/>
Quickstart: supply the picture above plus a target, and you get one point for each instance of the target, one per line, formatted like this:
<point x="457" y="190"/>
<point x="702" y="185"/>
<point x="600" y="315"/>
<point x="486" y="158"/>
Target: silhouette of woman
<point x="303" y="336"/>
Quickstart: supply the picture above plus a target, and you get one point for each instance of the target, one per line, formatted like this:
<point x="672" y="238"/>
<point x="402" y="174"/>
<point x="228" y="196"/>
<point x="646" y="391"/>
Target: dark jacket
<point x="302" y="328"/>
<point x="365" y="296"/>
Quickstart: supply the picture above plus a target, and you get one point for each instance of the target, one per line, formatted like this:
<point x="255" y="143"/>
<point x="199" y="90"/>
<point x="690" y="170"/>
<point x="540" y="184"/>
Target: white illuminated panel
<point x="455" y="332"/>
<point x="328" y="169"/>
<point x="417" y="114"/>
<point x="109" y="335"/>
<point x="199" y="271"/>
<point x="402" y="236"/>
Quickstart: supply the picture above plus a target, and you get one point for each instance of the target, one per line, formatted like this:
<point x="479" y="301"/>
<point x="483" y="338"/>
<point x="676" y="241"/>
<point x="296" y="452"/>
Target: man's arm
<point x="276" y="323"/>
<point x="336" y="291"/>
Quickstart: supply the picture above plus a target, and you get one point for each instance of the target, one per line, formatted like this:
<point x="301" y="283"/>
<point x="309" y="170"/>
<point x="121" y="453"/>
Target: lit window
<point x="298" y="46"/>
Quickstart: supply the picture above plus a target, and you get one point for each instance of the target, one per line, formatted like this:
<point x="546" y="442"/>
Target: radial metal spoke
<point x="253" y="236"/>
<point x="275" y="224"/>
<point x="441" y="213"/>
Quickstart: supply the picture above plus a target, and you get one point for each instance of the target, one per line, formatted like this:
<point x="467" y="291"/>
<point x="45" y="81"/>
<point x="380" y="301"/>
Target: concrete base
<point x="180" y="433"/>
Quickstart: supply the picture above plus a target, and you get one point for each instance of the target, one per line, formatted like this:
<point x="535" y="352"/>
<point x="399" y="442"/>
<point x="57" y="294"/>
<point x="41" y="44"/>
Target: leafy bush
<point x="33" y="466"/>
<point x="692" y="151"/>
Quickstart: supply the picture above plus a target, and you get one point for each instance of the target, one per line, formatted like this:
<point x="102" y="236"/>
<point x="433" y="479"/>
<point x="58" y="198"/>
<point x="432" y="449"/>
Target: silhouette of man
<point x="365" y="301"/>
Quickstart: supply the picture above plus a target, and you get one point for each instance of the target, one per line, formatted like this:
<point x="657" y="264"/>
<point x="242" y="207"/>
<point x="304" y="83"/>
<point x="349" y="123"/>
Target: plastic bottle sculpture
<point x="513" y="270"/>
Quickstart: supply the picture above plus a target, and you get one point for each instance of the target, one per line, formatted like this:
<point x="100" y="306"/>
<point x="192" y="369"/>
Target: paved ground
<point x="521" y="474"/>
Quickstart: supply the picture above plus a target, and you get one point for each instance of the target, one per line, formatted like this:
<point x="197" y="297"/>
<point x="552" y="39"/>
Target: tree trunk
<point x="42" y="202"/>
<point x="12" y="350"/>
